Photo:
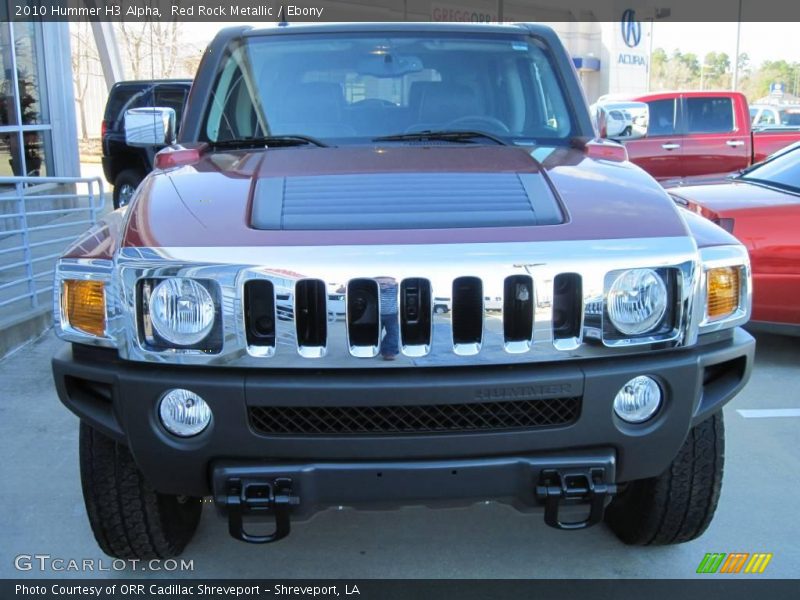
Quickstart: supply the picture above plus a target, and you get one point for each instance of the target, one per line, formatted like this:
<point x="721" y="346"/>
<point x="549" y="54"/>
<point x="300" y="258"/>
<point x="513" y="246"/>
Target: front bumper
<point x="120" y="399"/>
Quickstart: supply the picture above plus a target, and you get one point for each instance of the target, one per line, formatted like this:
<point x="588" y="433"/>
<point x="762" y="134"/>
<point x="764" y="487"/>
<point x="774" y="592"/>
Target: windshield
<point x="782" y="171"/>
<point x="790" y="117"/>
<point x="351" y="88"/>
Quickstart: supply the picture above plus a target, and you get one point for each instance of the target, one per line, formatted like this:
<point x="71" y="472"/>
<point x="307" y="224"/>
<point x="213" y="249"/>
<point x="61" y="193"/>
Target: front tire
<point x="129" y="518"/>
<point x="678" y="505"/>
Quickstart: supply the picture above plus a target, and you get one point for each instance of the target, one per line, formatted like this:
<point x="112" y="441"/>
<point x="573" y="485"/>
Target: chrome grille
<point x="427" y="418"/>
<point x="321" y="321"/>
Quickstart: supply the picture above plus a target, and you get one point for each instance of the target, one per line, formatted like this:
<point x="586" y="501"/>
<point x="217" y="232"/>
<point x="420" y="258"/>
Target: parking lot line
<point x="766" y="413"/>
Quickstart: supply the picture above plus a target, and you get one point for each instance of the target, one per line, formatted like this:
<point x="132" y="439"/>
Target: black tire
<point x="129" y="518"/>
<point x="678" y="505"/>
<point x="126" y="182"/>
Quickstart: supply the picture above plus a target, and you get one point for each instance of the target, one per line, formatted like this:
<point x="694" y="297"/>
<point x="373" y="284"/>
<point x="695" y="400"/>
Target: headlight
<point x="181" y="311"/>
<point x="637" y="301"/>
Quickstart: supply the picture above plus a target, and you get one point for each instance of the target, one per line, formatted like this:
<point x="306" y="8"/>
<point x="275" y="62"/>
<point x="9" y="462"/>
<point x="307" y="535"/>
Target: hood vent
<point x="404" y="201"/>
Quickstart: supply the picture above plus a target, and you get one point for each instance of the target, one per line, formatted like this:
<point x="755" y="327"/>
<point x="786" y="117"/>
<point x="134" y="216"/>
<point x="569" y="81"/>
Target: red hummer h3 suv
<point x="258" y="326"/>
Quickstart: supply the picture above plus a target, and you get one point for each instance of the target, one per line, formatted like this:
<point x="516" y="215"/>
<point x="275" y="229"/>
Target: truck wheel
<point x="125" y="185"/>
<point x="678" y="505"/>
<point x="129" y="518"/>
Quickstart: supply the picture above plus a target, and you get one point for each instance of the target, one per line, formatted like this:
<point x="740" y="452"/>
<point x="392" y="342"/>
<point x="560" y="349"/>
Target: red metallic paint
<point x="208" y="203"/>
<point x="703" y="154"/>
<point x="767" y="222"/>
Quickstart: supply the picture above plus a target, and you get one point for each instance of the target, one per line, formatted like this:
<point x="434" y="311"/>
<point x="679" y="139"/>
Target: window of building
<point x="25" y="126"/>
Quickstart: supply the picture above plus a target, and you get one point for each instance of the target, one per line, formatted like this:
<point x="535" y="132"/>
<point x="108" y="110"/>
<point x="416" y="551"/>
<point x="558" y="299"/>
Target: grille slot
<point x="363" y="321"/>
<point x="311" y="317"/>
<point x="518" y="312"/>
<point x="415" y="316"/>
<point x="259" y="315"/>
<point x="467" y="315"/>
<point x="366" y="420"/>
<point x="567" y="308"/>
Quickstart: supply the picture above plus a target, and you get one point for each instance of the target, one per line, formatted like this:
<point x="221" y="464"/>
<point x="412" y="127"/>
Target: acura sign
<point x="631" y="31"/>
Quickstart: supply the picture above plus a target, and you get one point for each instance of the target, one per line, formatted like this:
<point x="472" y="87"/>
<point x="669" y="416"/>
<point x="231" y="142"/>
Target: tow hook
<point x="260" y="497"/>
<point x="574" y="486"/>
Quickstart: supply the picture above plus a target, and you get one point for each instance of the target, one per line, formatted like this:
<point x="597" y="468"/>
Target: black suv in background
<point x="125" y="166"/>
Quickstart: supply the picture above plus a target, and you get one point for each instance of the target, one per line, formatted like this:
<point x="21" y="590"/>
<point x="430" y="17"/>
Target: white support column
<point x="107" y="48"/>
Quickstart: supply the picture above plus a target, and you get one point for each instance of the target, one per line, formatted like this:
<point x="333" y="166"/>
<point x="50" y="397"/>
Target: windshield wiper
<point x="447" y="135"/>
<point x="270" y="140"/>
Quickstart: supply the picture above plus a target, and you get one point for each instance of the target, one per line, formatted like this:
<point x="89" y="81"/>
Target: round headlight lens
<point x="637" y="301"/>
<point x="182" y="311"/>
<point x="184" y="413"/>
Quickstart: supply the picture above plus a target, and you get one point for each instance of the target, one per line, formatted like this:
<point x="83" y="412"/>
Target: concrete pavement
<point x="42" y="510"/>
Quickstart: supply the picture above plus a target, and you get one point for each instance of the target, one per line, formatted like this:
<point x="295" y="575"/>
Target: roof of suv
<point x="444" y="27"/>
<point x="144" y="82"/>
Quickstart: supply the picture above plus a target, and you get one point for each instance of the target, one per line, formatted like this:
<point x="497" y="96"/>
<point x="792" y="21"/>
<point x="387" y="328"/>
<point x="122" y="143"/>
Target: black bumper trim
<point x="696" y="381"/>
<point x="386" y="485"/>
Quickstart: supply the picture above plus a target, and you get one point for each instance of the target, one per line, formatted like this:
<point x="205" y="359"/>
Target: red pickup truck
<point x="695" y="134"/>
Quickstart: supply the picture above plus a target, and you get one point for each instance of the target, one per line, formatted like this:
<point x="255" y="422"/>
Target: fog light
<point x="184" y="413"/>
<point x="638" y="400"/>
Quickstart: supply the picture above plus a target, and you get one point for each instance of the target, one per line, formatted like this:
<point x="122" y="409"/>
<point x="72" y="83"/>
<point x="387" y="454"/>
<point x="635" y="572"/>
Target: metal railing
<point x="39" y="218"/>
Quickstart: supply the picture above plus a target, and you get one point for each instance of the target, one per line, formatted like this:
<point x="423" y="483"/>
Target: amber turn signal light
<point x="722" y="286"/>
<point x="84" y="305"/>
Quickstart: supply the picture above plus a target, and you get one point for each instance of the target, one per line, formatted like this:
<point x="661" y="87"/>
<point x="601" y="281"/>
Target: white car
<point x="765" y="115"/>
<point x="619" y="123"/>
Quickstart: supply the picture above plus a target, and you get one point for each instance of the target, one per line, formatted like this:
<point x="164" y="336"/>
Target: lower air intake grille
<point x="350" y="420"/>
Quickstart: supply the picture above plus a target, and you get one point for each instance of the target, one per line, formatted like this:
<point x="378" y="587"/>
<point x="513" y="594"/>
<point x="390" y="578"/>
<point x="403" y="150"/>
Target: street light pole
<point x="650" y="59"/>
<point x="735" y="78"/>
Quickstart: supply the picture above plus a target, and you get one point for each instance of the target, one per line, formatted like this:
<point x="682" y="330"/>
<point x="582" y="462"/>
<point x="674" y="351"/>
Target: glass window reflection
<point x="8" y="113"/>
<point x="30" y="75"/>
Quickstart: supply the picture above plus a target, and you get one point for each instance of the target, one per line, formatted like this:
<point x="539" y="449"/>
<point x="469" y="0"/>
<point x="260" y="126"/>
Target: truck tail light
<point x="723" y="286"/>
<point x="84" y="306"/>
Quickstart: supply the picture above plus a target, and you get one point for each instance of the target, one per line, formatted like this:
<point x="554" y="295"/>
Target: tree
<point x="157" y="50"/>
<point x="716" y="70"/>
<point x="84" y="55"/>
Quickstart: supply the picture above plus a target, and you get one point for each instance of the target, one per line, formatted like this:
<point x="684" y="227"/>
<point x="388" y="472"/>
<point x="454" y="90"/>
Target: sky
<point x="762" y="41"/>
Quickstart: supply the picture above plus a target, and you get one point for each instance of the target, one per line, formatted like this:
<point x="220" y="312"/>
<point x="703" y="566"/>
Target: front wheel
<point x="129" y="518"/>
<point x="678" y="505"/>
<point x="125" y="186"/>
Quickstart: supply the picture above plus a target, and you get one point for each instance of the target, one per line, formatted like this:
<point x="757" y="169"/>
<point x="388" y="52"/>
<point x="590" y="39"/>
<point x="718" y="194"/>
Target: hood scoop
<point x="404" y="201"/>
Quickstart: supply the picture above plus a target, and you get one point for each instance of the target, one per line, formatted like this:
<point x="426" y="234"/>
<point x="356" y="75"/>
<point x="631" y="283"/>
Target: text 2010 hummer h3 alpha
<point x="259" y="325"/>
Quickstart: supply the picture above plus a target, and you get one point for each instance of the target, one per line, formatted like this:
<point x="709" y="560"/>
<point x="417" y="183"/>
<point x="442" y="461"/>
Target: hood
<point x="398" y="194"/>
<point x="732" y="196"/>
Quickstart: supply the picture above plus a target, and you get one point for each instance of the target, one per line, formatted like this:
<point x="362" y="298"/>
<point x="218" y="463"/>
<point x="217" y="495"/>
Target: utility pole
<point x="735" y="78"/>
<point x="650" y="59"/>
